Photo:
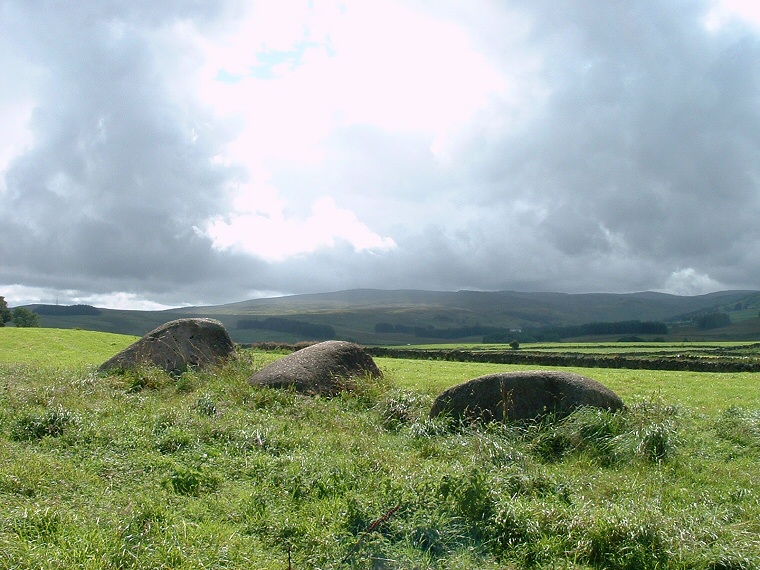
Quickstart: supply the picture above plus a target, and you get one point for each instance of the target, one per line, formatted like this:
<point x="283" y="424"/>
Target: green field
<point x="146" y="470"/>
<point x="59" y="347"/>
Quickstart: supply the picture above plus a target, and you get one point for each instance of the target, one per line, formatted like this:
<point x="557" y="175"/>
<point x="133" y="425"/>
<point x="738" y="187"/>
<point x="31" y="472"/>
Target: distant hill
<point x="372" y="316"/>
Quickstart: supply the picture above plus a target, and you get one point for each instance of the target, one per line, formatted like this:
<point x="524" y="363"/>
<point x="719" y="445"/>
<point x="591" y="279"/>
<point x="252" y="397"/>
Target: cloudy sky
<point x="163" y="153"/>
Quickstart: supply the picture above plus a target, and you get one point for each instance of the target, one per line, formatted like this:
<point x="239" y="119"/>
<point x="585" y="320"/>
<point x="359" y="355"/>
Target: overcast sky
<point x="163" y="153"/>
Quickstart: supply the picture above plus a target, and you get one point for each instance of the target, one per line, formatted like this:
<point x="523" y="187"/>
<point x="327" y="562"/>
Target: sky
<point x="162" y="153"/>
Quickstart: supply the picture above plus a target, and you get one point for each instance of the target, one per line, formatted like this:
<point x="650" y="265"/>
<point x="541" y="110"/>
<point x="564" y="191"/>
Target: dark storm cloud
<point x="650" y="136"/>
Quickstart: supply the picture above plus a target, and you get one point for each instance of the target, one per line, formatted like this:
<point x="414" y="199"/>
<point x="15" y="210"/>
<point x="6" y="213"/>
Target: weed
<point x="498" y="444"/>
<point x="401" y="407"/>
<point x="553" y="444"/>
<point x="185" y="480"/>
<point x="164" y="420"/>
<point x="731" y="560"/>
<point x="617" y="540"/>
<point x="206" y="406"/>
<point x="431" y="427"/>
<point x="656" y="442"/>
<point x="146" y="378"/>
<point x="645" y="431"/>
<point x="51" y="423"/>
<point x="173" y="440"/>
<point x="469" y="493"/>
<point x="188" y="381"/>
<point x="740" y="426"/>
<point x="40" y="523"/>
<point x="512" y="527"/>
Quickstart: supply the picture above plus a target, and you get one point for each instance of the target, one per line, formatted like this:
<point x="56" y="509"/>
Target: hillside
<point x="387" y="317"/>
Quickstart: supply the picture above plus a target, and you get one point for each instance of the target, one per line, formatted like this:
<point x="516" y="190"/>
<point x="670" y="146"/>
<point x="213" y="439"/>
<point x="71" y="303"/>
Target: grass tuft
<point x="740" y="426"/>
<point x="185" y="480"/>
<point x="51" y="423"/>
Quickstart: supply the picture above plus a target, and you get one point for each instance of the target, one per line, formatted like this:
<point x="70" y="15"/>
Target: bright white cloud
<point x="272" y="236"/>
<point x="688" y="281"/>
<point x="17" y="295"/>
<point x="290" y="84"/>
<point x="725" y="11"/>
<point x="379" y="64"/>
<point x="16" y="135"/>
<point x="119" y="300"/>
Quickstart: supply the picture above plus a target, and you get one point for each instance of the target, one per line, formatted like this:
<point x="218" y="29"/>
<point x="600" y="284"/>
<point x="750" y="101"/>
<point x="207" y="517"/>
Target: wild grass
<point x="205" y="471"/>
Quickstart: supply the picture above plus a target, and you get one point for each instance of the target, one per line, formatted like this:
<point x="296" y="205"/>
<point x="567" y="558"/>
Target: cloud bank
<point x="160" y="154"/>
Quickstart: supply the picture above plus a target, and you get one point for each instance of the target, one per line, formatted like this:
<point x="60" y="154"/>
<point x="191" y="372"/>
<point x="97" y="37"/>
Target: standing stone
<point x="523" y="396"/>
<point x="176" y="346"/>
<point x="325" y="368"/>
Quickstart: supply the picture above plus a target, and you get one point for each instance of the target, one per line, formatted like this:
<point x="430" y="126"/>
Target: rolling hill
<point x="371" y="316"/>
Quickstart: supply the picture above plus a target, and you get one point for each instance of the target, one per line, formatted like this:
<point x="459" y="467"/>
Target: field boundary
<point x="683" y="362"/>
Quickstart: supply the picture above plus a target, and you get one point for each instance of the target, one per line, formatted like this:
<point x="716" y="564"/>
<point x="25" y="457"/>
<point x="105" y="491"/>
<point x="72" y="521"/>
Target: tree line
<point x="67" y="310"/>
<point x="301" y="329"/>
<point x="602" y="329"/>
<point x="504" y="335"/>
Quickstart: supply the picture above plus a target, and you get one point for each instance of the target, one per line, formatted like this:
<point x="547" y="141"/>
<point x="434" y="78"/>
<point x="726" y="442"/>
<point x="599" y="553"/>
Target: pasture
<point x="145" y="470"/>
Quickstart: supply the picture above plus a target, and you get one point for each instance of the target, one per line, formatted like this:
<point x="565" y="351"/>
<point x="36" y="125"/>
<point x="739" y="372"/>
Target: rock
<point x="176" y="346"/>
<point x="325" y="368"/>
<point x="525" y="395"/>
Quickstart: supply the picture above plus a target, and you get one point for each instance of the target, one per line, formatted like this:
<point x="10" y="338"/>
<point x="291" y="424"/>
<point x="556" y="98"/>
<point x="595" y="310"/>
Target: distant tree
<point x="25" y="318"/>
<point x="5" y="312"/>
<point x="713" y="321"/>
<point x="515" y="344"/>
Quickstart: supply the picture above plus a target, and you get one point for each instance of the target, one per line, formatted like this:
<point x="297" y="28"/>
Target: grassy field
<point x="59" y="347"/>
<point x="204" y="471"/>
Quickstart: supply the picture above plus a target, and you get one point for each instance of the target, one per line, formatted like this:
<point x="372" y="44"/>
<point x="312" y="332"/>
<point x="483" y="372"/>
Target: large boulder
<point x="325" y="368"/>
<point x="523" y="396"/>
<point x="176" y="346"/>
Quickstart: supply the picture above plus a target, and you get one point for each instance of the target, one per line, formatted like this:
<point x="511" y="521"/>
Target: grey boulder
<point x="325" y="368"/>
<point x="523" y="395"/>
<point x="176" y="346"/>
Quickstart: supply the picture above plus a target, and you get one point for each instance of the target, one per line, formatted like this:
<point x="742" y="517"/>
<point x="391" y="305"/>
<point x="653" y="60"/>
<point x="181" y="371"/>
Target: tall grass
<point x="206" y="471"/>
